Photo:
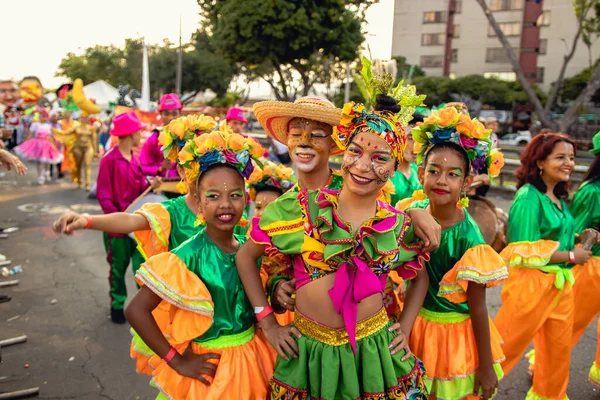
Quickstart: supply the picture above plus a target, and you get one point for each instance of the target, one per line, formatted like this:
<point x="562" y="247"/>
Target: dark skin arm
<point x="485" y="376"/>
<point x="279" y="336"/>
<point x="139" y="316"/>
<point x="415" y="295"/>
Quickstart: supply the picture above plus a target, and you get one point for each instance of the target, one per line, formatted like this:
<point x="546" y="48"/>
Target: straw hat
<point x="274" y="116"/>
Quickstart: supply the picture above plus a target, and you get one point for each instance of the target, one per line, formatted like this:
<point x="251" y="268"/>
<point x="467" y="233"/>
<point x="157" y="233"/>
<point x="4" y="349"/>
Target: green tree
<point x="437" y="89"/>
<point x="291" y="44"/>
<point x="98" y="62"/>
<point x="407" y="71"/>
<point x="574" y="85"/>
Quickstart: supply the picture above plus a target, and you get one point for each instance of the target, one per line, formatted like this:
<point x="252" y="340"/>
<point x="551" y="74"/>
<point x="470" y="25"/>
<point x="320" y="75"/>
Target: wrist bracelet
<point x="170" y="355"/>
<point x="263" y="313"/>
<point x="572" y="257"/>
<point x="89" y="220"/>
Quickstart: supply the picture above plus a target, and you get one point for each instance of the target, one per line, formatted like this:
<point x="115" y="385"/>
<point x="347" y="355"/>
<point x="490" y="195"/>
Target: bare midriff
<point x="313" y="301"/>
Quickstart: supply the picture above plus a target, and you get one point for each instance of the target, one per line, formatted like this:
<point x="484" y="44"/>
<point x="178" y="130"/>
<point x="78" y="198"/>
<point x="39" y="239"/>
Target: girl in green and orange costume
<point x="205" y="345"/>
<point x="586" y="211"/>
<point x="453" y="334"/>
<point x="343" y="244"/>
<point x="538" y="296"/>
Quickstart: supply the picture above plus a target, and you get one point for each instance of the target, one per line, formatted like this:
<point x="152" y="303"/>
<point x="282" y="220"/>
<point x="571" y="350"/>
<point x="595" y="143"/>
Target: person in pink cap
<point x="235" y="119"/>
<point x="151" y="156"/>
<point x="120" y="182"/>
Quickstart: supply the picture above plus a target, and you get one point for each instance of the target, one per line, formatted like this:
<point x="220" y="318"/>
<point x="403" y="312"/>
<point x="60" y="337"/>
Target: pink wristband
<point x="89" y="220"/>
<point x="170" y="355"/>
<point x="572" y="257"/>
<point x="266" y="311"/>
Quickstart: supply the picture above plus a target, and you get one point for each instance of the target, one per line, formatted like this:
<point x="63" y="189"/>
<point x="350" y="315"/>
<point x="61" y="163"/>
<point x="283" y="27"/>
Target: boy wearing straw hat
<point x="120" y="182"/>
<point x="305" y="126"/>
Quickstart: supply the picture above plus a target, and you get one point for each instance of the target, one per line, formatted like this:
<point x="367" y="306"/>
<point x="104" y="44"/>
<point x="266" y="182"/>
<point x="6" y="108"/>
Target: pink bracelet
<point x="170" y="355"/>
<point x="89" y="220"/>
<point x="572" y="257"/>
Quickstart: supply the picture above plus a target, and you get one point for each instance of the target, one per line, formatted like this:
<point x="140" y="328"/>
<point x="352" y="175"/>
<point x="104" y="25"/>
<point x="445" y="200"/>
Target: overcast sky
<point x="37" y="34"/>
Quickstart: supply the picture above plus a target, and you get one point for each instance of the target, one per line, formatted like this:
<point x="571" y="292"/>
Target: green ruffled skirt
<point x="326" y="367"/>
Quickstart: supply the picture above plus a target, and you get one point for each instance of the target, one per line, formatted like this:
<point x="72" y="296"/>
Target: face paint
<point x="309" y="143"/>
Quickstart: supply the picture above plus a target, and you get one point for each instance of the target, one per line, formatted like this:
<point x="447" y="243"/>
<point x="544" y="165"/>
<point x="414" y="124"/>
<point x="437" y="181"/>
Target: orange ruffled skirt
<point x="445" y="342"/>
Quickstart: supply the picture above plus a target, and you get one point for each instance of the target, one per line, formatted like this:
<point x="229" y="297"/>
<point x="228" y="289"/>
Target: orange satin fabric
<point x="534" y="309"/>
<point x="587" y="296"/>
<point x="449" y="350"/>
<point x="243" y="372"/>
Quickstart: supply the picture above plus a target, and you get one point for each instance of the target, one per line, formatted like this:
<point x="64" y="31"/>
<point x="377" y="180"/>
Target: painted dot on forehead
<point x="376" y="147"/>
<point x="361" y="139"/>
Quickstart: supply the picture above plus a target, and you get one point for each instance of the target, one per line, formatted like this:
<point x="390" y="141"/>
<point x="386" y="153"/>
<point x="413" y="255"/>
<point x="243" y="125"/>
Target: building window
<point x="540" y="75"/>
<point x="432" y="61"/>
<point x="543" y="19"/>
<point x="433" y="39"/>
<point x="503" y="76"/>
<point x="435" y="17"/>
<point x="458" y="6"/>
<point x="508" y="28"/>
<point x="496" y="55"/>
<point x="543" y="49"/>
<point x="456" y="31"/>
<point x="505" y="5"/>
<point x="454" y="55"/>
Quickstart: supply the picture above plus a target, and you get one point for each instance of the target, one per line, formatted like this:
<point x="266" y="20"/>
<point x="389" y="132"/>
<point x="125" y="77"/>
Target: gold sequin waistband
<point x="339" y="337"/>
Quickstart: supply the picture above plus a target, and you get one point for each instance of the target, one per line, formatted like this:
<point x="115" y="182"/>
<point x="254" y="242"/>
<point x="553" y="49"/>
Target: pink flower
<point x="468" y="143"/>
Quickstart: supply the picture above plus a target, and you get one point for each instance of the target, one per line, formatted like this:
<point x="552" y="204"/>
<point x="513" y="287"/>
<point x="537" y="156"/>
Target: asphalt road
<point x="73" y="350"/>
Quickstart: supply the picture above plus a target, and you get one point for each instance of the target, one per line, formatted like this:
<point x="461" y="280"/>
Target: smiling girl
<point x="207" y="347"/>
<point x="453" y="334"/>
<point x="343" y="243"/>
<point x="537" y="298"/>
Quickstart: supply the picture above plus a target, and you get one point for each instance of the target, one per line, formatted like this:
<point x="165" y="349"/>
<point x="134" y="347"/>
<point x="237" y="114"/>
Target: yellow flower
<point x="430" y="120"/>
<point x="191" y="122"/>
<point x="173" y="154"/>
<point x="216" y="140"/>
<point x="236" y="142"/>
<point x="419" y="195"/>
<point x="177" y="127"/>
<point x="206" y="123"/>
<point x="447" y="116"/>
<point x="256" y="176"/>
<point x="496" y="163"/>
<point x="164" y="139"/>
<point x="465" y="126"/>
<point x="480" y="130"/>
<point x="201" y="142"/>
<point x="256" y="150"/>
<point x="417" y="147"/>
<point x="186" y="155"/>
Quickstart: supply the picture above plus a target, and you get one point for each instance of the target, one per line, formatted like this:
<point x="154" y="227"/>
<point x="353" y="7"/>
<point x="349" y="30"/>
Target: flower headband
<point x="450" y="125"/>
<point x="220" y="147"/>
<point x="180" y="130"/>
<point x="271" y="176"/>
<point x="356" y="119"/>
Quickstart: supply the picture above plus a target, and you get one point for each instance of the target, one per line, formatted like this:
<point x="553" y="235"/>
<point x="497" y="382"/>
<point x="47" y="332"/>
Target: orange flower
<point x="177" y="127"/>
<point x="466" y="127"/>
<point x="480" y="130"/>
<point x="217" y="140"/>
<point x="430" y="120"/>
<point x="201" y="142"/>
<point x="256" y="150"/>
<point x="447" y="116"/>
<point x="496" y="163"/>
<point x="191" y="122"/>
<point x="186" y="155"/>
<point x="417" y="147"/>
<point x="236" y="142"/>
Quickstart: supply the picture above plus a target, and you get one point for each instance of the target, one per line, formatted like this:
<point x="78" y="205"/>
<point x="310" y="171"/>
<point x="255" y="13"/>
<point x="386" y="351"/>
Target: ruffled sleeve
<point x="529" y="254"/>
<point x="155" y="240"/>
<point x="281" y="227"/>
<point x="480" y="264"/>
<point x="187" y="310"/>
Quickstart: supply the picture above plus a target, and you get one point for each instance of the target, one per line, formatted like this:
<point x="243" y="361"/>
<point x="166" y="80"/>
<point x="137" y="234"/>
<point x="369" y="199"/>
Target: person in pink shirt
<point x="120" y="181"/>
<point x="151" y="156"/>
<point x="235" y="120"/>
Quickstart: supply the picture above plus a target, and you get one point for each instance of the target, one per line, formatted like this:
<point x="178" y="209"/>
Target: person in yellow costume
<point x="67" y="123"/>
<point x="81" y="139"/>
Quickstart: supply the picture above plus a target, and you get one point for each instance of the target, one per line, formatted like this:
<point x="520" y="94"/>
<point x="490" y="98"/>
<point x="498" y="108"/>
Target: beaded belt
<point x="339" y="337"/>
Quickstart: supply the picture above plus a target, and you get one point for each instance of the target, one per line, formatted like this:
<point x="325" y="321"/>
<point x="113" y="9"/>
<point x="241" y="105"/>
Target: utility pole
<point x="347" y="88"/>
<point x="179" y="63"/>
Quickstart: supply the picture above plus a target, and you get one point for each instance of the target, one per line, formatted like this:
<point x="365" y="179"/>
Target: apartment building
<point x="454" y="38"/>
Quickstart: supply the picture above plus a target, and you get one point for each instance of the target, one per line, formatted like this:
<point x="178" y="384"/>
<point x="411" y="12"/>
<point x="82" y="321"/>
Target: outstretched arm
<point x="119" y="222"/>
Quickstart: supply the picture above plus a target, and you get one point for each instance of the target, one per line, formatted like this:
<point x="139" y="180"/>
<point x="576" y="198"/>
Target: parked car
<point x="516" y="139"/>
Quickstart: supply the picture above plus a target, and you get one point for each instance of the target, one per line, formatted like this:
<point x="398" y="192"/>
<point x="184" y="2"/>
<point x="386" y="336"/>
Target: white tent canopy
<point x="102" y="93"/>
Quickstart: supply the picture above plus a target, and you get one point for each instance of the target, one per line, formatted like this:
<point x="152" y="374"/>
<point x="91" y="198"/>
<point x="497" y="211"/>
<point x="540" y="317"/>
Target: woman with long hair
<point x="537" y="298"/>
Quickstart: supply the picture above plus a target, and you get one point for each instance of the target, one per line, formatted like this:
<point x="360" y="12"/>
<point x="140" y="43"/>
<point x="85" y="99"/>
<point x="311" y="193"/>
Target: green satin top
<point x="405" y="187"/>
<point x="586" y="209"/>
<point x="534" y="216"/>
<point x="182" y="221"/>
<point x="233" y="311"/>
<point x="455" y="241"/>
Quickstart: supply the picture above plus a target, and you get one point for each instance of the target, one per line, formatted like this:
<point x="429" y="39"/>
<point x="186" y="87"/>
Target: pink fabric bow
<point x="346" y="293"/>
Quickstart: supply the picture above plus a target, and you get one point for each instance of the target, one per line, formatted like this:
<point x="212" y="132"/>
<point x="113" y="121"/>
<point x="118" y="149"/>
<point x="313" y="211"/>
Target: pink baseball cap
<point x="126" y="124"/>
<point x="235" y="113"/>
<point x="169" y="101"/>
